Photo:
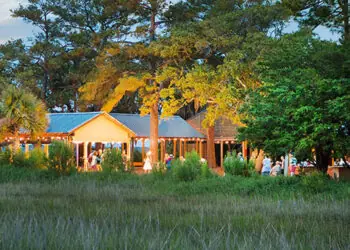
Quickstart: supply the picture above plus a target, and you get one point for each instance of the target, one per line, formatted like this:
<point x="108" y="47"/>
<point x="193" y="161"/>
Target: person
<point x="293" y="166"/>
<point x="93" y="164"/>
<point x="147" y="167"/>
<point x="168" y="161"/>
<point x="99" y="159"/>
<point x="240" y="156"/>
<point x="266" y="166"/>
<point x="276" y="170"/>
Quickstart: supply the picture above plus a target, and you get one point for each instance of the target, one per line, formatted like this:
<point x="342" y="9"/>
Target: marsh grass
<point x="99" y="211"/>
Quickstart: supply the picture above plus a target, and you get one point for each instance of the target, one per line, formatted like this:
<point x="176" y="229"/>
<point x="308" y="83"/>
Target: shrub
<point x="206" y="172"/>
<point x="5" y="157"/>
<point x="235" y="166"/>
<point x="113" y="161"/>
<point x="158" y="170"/>
<point x="61" y="158"/>
<point x="37" y="159"/>
<point x="315" y="182"/>
<point x="19" y="160"/>
<point x="189" y="169"/>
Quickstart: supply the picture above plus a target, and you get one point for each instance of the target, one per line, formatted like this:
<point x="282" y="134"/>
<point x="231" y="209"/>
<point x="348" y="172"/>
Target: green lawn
<point x="99" y="211"/>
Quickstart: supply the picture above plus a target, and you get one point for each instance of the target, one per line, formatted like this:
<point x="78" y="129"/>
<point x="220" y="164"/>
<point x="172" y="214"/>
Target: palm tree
<point x="21" y="111"/>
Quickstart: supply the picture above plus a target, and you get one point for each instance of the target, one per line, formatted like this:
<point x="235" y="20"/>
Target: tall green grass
<point x="126" y="211"/>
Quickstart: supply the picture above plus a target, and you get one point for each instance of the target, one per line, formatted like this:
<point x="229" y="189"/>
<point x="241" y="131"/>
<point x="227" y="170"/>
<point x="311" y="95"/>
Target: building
<point x="100" y="129"/>
<point x="225" y="134"/>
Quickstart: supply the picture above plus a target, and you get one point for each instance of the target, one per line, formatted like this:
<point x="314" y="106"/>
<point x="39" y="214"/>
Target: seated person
<point x="276" y="170"/>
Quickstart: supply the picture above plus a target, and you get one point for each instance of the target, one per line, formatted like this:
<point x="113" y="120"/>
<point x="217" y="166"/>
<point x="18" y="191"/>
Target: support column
<point x="123" y="148"/>
<point x="185" y="147"/>
<point x="143" y="150"/>
<point x="128" y="154"/>
<point x="180" y="150"/>
<point x="222" y="154"/>
<point x="46" y="149"/>
<point x="174" y="147"/>
<point x="201" y="148"/>
<point x="77" y="154"/>
<point x="131" y="148"/>
<point x="161" y="150"/>
<point x="85" y="156"/>
<point x="26" y="149"/>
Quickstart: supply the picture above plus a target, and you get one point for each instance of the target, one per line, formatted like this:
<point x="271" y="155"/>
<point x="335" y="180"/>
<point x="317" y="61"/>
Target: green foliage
<point x="20" y="160"/>
<point x="5" y="157"/>
<point x="190" y="169"/>
<point x="22" y="110"/>
<point x="235" y="166"/>
<point x="37" y="158"/>
<point x="206" y="172"/>
<point x="296" y="107"/>
<point x="316" y="182"/>
<point x="159" y="170"/>
<point x="61" y="158"/>
<point x="113" y="161"/>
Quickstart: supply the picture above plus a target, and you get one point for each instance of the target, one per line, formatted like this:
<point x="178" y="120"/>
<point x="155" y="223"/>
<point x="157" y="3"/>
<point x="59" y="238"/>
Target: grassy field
<point x="99" y="211"/>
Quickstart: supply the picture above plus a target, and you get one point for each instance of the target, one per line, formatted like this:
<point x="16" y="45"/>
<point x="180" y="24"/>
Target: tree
<point x="134" y="66"/>
<point x="301" y="106"/>
<point x="222" y="47"/>
<point x="333" y="14"/>
<point x="46" y="46"/>
<point x="21" y="111"/>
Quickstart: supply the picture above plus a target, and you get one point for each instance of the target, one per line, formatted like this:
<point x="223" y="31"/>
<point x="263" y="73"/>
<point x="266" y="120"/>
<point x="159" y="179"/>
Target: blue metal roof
<point x="169" y="127"/>
<point x="66" y="122"/>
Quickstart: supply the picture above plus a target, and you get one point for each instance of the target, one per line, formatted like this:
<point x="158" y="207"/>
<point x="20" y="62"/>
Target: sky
<point x="15" y="28"/>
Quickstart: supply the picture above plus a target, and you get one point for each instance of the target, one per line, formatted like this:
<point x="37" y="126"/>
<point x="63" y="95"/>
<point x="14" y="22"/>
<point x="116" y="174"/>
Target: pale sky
<point x="15" y="28"/>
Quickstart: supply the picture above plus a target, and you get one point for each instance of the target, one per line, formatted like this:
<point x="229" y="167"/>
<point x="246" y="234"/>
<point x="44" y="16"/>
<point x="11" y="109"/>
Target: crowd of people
<point x="270" y="169"/>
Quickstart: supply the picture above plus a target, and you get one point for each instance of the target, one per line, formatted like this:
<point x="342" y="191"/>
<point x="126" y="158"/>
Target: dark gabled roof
<point x="67" y="122"/>
<point x="169" y="127"/>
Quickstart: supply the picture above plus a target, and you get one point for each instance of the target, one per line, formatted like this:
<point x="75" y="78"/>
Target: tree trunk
<point x="154" y="133"/>
<point x="211" y="147"/>
<point x="16" y="143"/>
<point x="322" y="159"/>
<point x="154" y="109"/>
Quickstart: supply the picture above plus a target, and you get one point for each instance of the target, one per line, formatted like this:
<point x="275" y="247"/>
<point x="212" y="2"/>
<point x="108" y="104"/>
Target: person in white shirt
<point x="266" y="169"/>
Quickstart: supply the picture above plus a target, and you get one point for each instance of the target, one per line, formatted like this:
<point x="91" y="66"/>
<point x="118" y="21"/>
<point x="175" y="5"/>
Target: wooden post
<point x="222" y="153"/>
<point x="201" y="148"/>
<point x="26" y="149"/>
<point x="123" y="148"/>
<point x="131" y="148"/>
<point x="46" y="149"/>
<point x="128" y="153"/>
<point x="174" y="147"/>
<point x="143" y="150"/>
<point x="77" y="154"/>
<point x="180" y="150"/>
<point x="85" y="156"/>
<point x="185" y="147"/>
<point x="161" y="150"/>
